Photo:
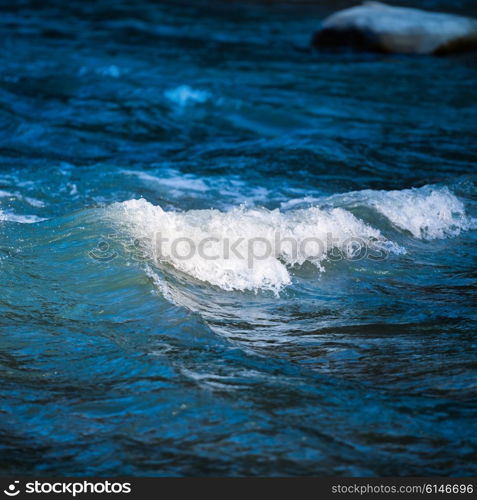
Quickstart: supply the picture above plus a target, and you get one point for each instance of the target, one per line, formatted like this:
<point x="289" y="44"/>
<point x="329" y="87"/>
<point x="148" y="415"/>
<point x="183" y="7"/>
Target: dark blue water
<point x="222" y="122"/>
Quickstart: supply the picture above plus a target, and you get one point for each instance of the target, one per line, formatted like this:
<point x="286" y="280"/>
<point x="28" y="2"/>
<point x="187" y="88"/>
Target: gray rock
<point x="384" y="28"/>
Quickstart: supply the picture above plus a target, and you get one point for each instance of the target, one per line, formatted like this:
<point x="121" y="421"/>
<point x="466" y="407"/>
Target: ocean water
<point x="214" y="121"/>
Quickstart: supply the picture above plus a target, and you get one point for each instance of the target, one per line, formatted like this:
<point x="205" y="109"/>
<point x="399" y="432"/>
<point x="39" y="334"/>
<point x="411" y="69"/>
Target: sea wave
<point x="246" y="248"/>
<point x="254" y="248"/>
<point x="428" y="213"/>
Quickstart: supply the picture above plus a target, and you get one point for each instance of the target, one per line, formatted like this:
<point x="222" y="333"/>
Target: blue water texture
<point x="200" y="119"/>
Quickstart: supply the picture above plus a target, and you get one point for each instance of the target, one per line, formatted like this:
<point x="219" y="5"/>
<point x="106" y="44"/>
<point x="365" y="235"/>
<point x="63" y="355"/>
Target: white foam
<point x="185" y="95"/>
<point x="262" y="238"/>
<point x="22" y="219"/>
<point x="244" y="248"/>
<point x="427" y="213"/>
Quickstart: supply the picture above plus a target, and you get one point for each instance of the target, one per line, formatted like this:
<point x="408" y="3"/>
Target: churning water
<point x="214" y="121"/>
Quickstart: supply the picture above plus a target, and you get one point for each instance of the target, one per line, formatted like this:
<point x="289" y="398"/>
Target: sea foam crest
<point x="427" y="213"/>
<point x="245" y="248"/>
<point x="225" y="237"/>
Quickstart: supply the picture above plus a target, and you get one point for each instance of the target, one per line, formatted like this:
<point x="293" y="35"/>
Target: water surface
<point x="199" y="119"/>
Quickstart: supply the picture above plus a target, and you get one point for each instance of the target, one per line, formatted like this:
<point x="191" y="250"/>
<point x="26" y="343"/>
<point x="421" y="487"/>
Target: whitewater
<point x="252" y="248"/>
<point x="226" y="253"/>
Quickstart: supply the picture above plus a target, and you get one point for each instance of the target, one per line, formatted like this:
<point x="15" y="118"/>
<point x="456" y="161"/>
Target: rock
<point x="379" y="27"/>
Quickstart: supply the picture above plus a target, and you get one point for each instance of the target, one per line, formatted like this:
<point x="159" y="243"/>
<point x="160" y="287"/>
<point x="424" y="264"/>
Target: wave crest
<point x="254" y="248"/>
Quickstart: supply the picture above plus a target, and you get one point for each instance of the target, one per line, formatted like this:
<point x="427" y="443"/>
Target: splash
<point x="247" y="248"/>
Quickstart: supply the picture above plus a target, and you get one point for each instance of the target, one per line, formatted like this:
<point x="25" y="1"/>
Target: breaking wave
<point x="255" y="248"/>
